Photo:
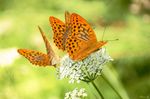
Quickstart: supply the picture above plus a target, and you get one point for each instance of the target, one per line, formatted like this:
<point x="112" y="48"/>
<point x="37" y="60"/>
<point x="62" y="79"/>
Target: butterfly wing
<point x="35" y="57"/>
<point x="67" y="27"/>
<point x="39" y="58"/>
<point x="58" y="28"/>
<point x="81" y="39"/>
<point x="51" y="54"/>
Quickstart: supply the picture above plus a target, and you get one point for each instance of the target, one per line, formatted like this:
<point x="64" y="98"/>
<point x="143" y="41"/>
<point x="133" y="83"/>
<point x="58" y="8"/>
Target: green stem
<point x="102" y="97"/>
<point x="111" y="86"/>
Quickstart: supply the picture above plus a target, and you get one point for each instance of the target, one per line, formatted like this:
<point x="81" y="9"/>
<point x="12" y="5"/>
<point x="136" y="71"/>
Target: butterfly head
<point x="102" y="43"/>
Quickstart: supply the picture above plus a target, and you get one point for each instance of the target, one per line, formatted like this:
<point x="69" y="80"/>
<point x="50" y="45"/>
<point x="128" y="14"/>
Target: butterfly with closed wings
<point x="39" y="58"/>
<point x="75" y="36"/>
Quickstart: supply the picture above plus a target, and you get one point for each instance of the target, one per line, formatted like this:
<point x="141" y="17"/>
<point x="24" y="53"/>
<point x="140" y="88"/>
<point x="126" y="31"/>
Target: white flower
<point x="85" y="70"/>
<point x="76" y="94"/>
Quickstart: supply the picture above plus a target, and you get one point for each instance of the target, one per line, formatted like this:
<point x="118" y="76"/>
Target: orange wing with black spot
<point x="39" y="58"/>
<point x="81" y="39"/>
<point x="35" y="57"/>
<point x="58" y="28"/>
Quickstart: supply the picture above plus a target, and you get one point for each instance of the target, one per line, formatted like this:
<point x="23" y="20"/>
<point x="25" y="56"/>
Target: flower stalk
<point x="107" y="81"/>
<point x="96" y="88"/>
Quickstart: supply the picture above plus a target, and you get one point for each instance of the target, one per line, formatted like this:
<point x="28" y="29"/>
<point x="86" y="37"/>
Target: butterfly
<point x="39" y="58"/>
<point x="75" y="36"/>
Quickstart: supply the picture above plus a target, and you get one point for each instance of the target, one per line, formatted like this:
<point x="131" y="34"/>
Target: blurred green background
<point x="127" y="20"/>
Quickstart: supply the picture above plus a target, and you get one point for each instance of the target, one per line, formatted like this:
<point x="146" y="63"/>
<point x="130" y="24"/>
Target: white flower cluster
<point x="85" y="70"/>
<point x="76" y="94"/>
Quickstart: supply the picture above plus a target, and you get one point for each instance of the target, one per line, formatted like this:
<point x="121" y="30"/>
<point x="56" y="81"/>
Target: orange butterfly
<point x="75" y="36"/>
<point x="39" y="58"/>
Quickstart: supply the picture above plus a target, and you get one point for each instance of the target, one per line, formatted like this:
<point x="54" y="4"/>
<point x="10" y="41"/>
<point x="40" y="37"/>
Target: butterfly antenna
<point x="104" y="32"/>
<point x="113" y="40"/>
